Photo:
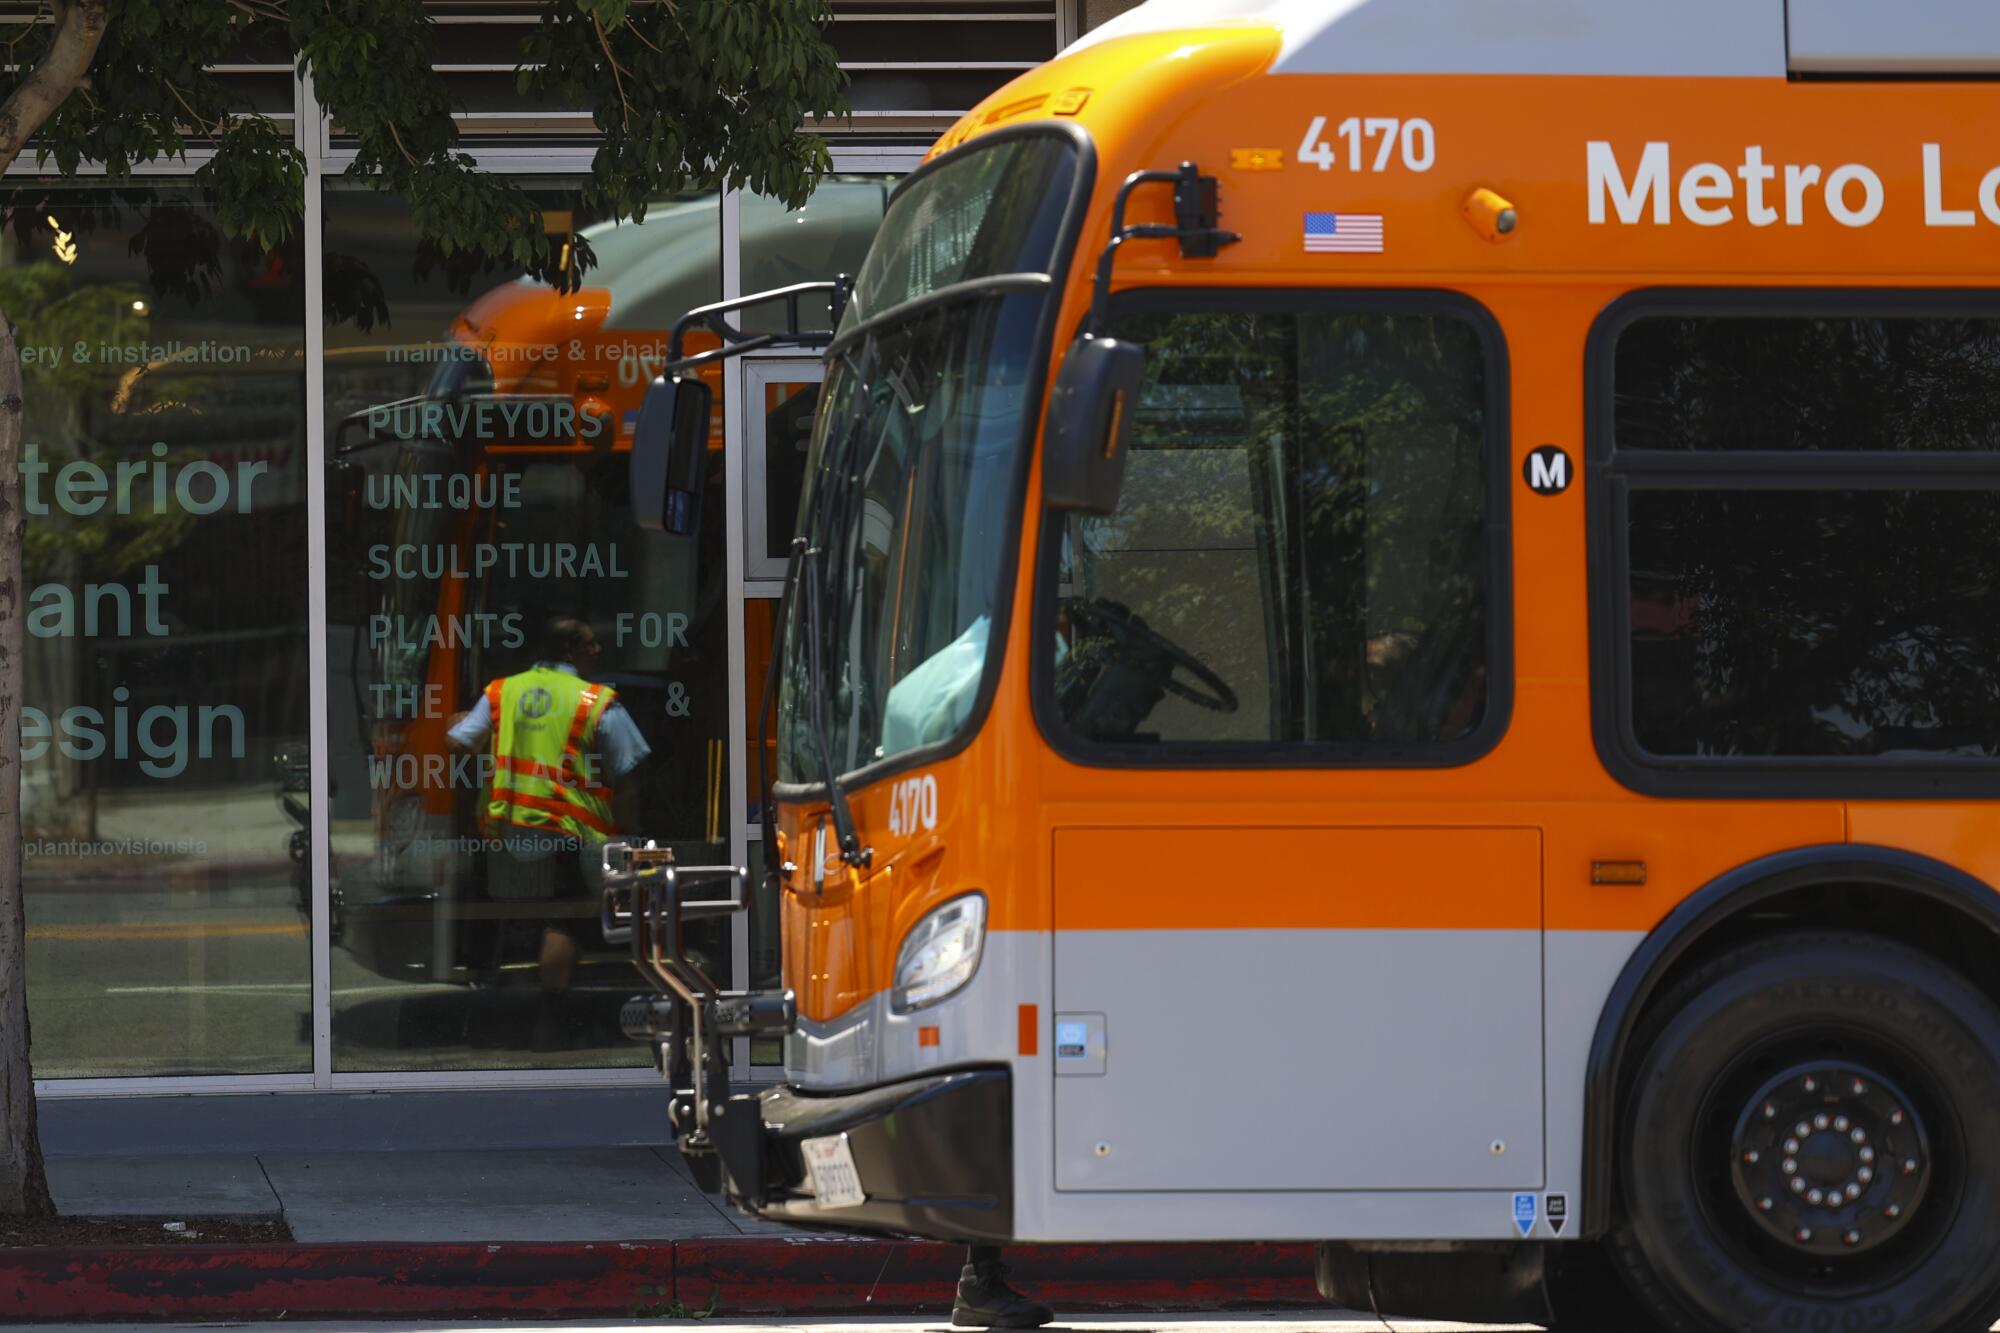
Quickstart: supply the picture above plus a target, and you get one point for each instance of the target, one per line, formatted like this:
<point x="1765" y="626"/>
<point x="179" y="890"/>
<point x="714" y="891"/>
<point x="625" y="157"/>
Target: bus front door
<point x="1298" y="943"/>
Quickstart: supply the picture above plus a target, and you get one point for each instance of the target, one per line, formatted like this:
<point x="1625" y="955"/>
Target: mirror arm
<point x="751" y="343"/>
<point x="735" y="342"/>
<point x="1195" y="217"/>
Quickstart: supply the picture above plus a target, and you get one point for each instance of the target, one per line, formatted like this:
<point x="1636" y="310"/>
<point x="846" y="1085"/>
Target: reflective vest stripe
<point x="563" y="810"/>
<point x="572" y="777"/>
<point x="587" y="709"/>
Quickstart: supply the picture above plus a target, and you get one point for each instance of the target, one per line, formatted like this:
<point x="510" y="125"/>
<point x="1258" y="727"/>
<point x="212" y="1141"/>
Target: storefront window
<point x="163" y="762"/>
<point x="827" y="237"/>
<point x="517" y="672"/>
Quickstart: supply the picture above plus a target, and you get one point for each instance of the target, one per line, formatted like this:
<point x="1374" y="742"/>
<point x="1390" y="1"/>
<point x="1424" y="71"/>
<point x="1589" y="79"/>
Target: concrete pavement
<point x="546" y="1232"/>
<point x="539" y="1195"/>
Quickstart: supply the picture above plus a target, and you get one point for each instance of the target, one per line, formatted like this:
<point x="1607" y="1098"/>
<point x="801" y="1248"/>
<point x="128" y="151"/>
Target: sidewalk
<point x="562" y="1195"/>
<point x="569" y="1233"/>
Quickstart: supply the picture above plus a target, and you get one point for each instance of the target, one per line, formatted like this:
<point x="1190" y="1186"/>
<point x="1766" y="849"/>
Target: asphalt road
<point x="1332" y="1321"/>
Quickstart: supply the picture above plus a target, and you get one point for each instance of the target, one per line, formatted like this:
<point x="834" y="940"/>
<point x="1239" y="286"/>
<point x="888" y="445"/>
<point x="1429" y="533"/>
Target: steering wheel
<point x="1120" y="624"/>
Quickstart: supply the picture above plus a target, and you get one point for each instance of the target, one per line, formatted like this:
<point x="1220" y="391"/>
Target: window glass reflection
<point x="782" y="401"/>
<point x="1809" y="382"/>
<point x="825" y="238"/>
<point x="1815" y="624"/>
<point x="164" y="768"/>
<point x="518" y="672"/>
<point x="1820" y="625"/>
<point x="1297" y="554"/>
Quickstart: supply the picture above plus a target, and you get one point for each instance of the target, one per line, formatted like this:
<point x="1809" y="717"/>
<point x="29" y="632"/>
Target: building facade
<point x="291" y="512"/>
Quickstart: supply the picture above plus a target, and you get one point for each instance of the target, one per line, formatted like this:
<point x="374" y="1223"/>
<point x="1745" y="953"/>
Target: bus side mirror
<point x="670" y="455"/>
<point x="1090" y="424"/>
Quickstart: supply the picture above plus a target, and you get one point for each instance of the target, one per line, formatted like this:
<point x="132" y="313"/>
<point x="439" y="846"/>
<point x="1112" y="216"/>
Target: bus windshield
<point x="910" y="487"/>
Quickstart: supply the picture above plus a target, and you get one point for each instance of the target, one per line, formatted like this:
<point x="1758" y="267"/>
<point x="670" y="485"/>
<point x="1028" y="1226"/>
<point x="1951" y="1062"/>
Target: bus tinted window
<point x="1832" y="382"/>
<point x="1297" y="554"/>
<point x="1805" y="595"/>
<point x="984" y="211"/>
<point x="1818" y="623"/>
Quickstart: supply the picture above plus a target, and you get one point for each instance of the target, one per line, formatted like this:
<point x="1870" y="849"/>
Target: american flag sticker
<point x="1344" y="233"/>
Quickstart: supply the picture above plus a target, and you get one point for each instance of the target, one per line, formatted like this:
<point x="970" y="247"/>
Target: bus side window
<point x="1841" y="615"/>
<point x="1299" y="554"/>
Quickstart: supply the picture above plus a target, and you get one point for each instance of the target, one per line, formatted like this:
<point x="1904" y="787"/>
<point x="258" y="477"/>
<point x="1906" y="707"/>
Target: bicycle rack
<point x="690" y="1021"/>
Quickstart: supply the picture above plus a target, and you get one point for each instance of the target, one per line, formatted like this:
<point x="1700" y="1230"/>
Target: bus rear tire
<point x="1813" y="1143"/>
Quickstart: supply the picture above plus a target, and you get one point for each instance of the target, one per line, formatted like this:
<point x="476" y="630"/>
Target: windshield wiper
<point x="851" y="850"/>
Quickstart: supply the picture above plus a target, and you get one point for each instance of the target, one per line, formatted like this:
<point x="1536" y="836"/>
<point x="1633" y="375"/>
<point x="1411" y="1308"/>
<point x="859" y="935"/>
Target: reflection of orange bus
<point x="500" y="499"/>
<point x="494" y="500"/>
<point x="1448" y="710"/>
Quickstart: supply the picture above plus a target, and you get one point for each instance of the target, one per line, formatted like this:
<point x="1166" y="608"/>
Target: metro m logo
<point x="1546" y="470"/>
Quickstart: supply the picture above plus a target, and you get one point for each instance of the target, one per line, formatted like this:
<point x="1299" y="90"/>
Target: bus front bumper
<point x="934" y="1156"/>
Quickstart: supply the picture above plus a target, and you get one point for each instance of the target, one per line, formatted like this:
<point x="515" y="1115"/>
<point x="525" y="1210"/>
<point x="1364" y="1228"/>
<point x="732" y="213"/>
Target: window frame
<point x="1612" y="477"/>
<point x="1495" y="461"/>
<point x="759" y="373"/>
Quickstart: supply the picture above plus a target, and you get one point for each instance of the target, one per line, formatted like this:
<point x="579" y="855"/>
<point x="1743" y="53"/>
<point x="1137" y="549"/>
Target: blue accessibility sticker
<point x="1524" y="1214"/>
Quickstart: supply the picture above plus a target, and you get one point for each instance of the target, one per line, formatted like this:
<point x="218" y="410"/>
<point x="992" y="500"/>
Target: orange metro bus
<point x="1395" y="642"/>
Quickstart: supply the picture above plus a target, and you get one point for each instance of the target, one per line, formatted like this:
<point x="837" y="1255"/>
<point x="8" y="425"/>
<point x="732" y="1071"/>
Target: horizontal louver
<point x="258" y="74"/>
<point x="914" y="65"/>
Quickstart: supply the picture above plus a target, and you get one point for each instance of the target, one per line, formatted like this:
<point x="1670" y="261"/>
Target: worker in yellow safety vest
<point x="562" y="747"/>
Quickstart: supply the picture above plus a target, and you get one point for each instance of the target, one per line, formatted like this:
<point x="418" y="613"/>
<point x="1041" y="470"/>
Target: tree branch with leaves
<point x="686" y="94"/>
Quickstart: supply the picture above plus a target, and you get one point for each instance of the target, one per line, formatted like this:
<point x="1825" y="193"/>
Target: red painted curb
<point x="265" y="1281"/>
<point x="793" y="1274"/>
<point x="744" y="1275"/>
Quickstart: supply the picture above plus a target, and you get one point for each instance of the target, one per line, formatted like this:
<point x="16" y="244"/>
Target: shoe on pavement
<point x="986" y="1301"/>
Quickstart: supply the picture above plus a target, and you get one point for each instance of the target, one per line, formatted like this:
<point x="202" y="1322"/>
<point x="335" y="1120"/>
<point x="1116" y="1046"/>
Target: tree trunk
<point x="24" y="1187"/>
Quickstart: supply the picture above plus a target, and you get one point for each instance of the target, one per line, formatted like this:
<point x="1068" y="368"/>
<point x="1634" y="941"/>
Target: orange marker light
<point x="1257" y="159"/>
<point x="1030" y="1041"/>
<point x="929" y="1036"/>
<point x="1617" y="872"/>
<point x="1490" y="215"/>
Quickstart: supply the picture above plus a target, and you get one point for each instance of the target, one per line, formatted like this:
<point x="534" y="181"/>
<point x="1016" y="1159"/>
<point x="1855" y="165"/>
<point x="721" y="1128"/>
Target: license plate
<point x="830" y="1166"/>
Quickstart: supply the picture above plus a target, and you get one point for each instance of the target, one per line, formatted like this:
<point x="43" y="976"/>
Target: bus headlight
<point x="940" y="954"/>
